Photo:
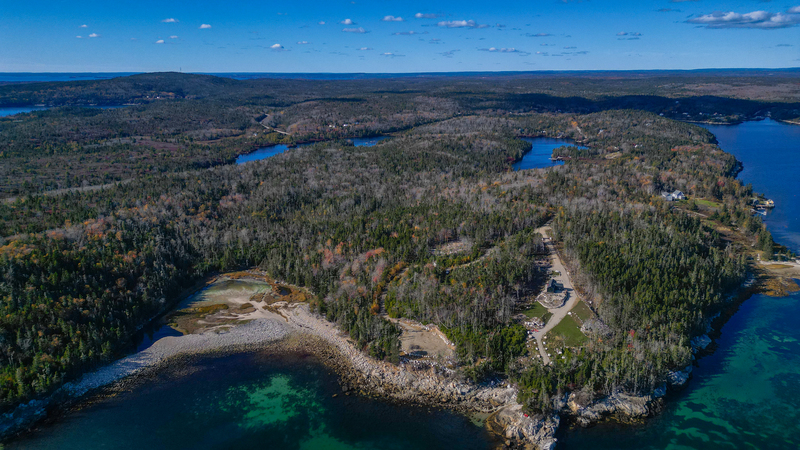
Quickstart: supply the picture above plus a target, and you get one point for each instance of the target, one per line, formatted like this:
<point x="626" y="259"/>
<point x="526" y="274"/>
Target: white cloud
<point x="501" y="50"/>
<point x="426" y="16"/>
<point x="205" y="26"/>
<point x="79" y="37"/>
<point x="160" y="41"/>
<point x="347" y="22"/>
<point x="461" y="24"/>
<point x="173" y="37"/>
<point x="94" y="35"/>
<point x="408" y="33"/>
<point x="538" y="35"/>
<point x="276" y="47"/>
<point x="302" y="42"/>
<point x="170" y="20"/>
<point x="757" y="19"/>
<point x="321" y="23"/>
<point x="365" y="48"/>
<point x="391" y="55"/>
<point x="354" y="30"/>
<point x="84" y="26"/>
<point x="392" y="19"/>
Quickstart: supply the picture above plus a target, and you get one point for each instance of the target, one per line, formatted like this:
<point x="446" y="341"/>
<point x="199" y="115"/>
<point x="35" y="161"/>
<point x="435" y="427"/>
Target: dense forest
<point x="361" y="227"/>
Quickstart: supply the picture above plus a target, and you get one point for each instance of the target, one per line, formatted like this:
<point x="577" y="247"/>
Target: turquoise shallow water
<point x="746" y="394"/>
<point x="252" y="401"/>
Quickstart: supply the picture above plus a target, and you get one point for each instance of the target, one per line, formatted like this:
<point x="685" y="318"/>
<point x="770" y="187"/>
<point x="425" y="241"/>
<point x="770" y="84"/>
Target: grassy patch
<point x="582" y="311"/>
<point x="708" y="203"/>
<point x="537" y="310"/>
<point x="567" y="333"/>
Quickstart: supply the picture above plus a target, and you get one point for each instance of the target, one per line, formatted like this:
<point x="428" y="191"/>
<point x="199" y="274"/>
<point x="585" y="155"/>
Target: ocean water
<point x="252" y="401"/>
<point x="770" y="153"/>
<point x="541" y="152"/>
<point x="746" y="393"/>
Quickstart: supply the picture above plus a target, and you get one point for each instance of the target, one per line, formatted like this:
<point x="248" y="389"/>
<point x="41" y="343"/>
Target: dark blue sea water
<point x="541" y="152"/>
<point x="266" y="152"/>
<point x="770" y="152"/>
<point x="746" y="395"/>
<point x="252" y="401"/>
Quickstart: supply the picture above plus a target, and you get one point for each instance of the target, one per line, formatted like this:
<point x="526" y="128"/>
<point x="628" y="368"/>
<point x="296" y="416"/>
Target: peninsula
<point x="421" y="267"/>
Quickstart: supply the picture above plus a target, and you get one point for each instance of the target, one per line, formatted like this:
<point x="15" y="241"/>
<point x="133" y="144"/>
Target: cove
<point x="746" y="393"/>
<point x="266" y="152"/>
<point x="540" y="153"/>
<point x="770" y="153"/>
<point x="252" y="400"/>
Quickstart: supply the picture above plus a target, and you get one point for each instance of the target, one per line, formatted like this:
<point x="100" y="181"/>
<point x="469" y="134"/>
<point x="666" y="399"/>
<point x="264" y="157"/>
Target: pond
<point x="12" y="110"/>
<point x="266" y="152"/>
<point x="541" y="153"/>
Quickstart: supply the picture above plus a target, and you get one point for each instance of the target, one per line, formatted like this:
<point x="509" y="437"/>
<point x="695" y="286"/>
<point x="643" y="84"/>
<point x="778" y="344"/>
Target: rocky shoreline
<point x="248" y="336"/>
<point x="295" y="329"/>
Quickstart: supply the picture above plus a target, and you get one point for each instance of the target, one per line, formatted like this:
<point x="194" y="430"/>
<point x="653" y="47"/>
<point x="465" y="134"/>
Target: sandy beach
<point x="249" y="325"/>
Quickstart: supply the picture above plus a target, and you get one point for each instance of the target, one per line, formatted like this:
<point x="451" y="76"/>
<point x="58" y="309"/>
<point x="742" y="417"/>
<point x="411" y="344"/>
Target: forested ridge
<point x="362" y="228"/>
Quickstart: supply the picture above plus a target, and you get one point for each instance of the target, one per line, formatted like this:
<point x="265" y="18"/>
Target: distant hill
<point x="116" y="91"/>
<point x="728" y="95"/>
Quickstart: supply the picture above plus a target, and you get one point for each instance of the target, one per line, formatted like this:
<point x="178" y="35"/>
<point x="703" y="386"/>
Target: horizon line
<point x="794" y="68"/>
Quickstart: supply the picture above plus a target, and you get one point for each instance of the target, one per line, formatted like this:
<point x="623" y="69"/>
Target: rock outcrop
<point x="678" y="378"/>
<point x="537" y="431"/>
<point x="623" y="406"/>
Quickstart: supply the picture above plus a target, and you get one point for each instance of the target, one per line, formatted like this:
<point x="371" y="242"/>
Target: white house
<point x="673" y="196"/>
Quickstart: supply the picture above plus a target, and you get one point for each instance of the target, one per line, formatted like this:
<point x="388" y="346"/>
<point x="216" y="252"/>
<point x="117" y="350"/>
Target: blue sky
<point x="396" y="36"/>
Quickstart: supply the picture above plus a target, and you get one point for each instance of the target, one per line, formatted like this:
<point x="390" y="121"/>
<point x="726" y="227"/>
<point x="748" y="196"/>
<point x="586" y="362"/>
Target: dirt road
<point x="564" y="279"/>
